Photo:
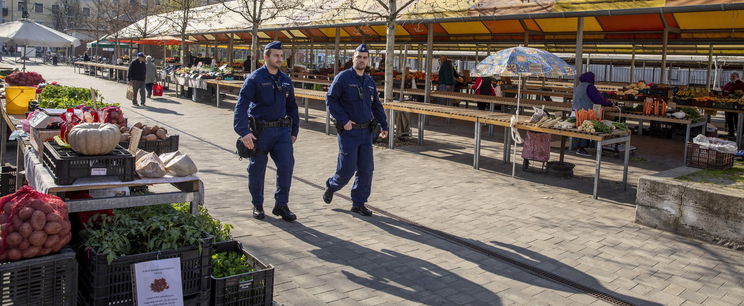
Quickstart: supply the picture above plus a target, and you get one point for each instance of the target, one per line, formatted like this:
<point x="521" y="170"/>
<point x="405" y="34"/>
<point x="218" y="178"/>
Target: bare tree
<point x="179" y="14"/>
<point x="67" y="14"/>
<point x="256" y="12"/>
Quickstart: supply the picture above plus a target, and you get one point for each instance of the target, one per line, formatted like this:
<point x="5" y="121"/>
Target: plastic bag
<point x="537" y="147"/>
<point x="157" y="90"/>
<point x="715" y="144"/>
<point x="151" y="166"/>
<point x="33" y="224"/>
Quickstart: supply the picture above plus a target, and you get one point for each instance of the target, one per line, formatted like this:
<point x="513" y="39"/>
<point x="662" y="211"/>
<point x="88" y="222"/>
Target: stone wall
<point x="705" y="211"/>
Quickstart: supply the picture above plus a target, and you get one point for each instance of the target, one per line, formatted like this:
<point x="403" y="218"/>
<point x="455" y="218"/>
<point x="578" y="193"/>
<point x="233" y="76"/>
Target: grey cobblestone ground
<point x="333" y="257"/>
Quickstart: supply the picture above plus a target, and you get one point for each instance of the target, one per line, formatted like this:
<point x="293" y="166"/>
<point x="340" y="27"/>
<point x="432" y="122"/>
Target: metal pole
<point x="419" y="58"/>
<point x="429" y="58"/>
<point x="665" y="42"/>
<point x="579" y="50"/>
<point x="403" y="69"/>
<point x="476" y="154"/>
<point x="335" y="51"/>
<point x="710" y="66"/>
<point x="597" y="166"/>
<point x="632" y="65"/>
<point x="391" y="130"/>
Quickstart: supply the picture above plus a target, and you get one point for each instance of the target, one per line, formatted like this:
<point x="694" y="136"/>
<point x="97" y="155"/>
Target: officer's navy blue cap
<point x="274" y="45"/>
<point x="142" y="54"/>
<point x="362" y="48"/>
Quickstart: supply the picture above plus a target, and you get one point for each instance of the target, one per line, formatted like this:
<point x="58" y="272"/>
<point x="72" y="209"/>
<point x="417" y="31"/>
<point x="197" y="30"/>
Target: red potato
<point x="54" y="217"/>
<point x="13" y="240"/>
<point x="31" y="252"/>
<point x="4" y="257"/>
<point x="16" y="221"/>
<point x="38" y="220"/>
<point x="52" y="227"/>
<point x="51" y="241"/>
<point x="24" y="245"/>
<point x="63" y="242"/>
<point x="37" y="238"/>
<point x="39" y="205"/>
<point x="25" y="213"/>
<point x="3" y="218"/>
<point x="44" y="251"/>
<point x="65" y="228"/>
<point x="25" y="230"/>
<point x="14" y="254"/>
<point x="7" y="228"/>
<point x="8" y="208"/>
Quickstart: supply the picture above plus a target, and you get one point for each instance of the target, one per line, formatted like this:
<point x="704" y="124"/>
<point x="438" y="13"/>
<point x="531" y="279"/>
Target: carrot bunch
<point x="654" y="107"/>
<point x="585" y="114"/>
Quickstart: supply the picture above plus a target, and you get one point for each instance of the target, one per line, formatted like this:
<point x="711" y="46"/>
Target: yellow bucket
<point x="17" y="98"/>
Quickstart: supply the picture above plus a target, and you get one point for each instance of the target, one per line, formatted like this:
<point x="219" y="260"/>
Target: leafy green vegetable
<point x="691" y="113"/>
<point x="620" y="126"/>
<point x="150" y="228"/>
<point x="67" y="97"/>
<point x="600" y="127"/>
<point x="231" y="263"/>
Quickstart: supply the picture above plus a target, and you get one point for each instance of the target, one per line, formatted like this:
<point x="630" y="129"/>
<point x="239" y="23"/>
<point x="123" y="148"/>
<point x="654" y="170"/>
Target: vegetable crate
<point x="159" y="146"/>
<point x="252" y="288"/>
<point x="7" y="180"/>
<point x="699" y="157"/>
<point x="46" y="280"/>
<point x="67" y="165"/>
<point x="102" y="283"/>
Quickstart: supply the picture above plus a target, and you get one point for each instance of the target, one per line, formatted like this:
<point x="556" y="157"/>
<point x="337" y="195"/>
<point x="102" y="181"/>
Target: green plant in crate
<point x="220" y="231"/>
<point x="67" y="97"/>
<point x="145" y="229"/>
<point x="231" y="263"/>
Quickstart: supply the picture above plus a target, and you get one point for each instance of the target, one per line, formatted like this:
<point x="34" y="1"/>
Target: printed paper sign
<point x="158" y="283"/>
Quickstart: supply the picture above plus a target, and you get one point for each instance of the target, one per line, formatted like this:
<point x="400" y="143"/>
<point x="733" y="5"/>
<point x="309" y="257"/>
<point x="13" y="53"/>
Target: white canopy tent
<point x="29" y="33"/>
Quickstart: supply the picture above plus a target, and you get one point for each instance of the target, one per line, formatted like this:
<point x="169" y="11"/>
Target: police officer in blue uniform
<point x="353" y="102"/>
<point x="267" y="119"/>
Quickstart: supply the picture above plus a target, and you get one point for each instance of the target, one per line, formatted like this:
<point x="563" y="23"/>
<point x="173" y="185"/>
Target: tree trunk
<point x="183" y="50"/>
<point x="390" y="54"/>
<point x="254" y="48"/>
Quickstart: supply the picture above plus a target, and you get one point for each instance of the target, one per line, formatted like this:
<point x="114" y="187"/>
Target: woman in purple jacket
<point x="584" y="97"/>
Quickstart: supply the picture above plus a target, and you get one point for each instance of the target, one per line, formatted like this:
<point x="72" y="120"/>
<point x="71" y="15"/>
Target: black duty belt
<point x="363" y="125"/>
<point x="284" y="122"/>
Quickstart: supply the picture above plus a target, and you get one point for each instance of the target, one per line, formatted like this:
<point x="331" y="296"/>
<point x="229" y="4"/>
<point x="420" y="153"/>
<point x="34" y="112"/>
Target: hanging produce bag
<point x="130" y="93"/>
<point x="33" y="224"/>
<point x="537" y="147"/>
<point x="157" y="90"/>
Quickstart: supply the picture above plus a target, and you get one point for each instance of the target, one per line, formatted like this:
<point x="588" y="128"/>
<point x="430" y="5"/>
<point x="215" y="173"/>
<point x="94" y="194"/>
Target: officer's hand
<point x="384" y="134"/>
<point x="348" y="124"/>
<point x="248" y="141"/>
<point x="294" y="138"/>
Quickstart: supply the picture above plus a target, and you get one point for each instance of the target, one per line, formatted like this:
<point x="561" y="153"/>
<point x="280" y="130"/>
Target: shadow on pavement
<point x="522" y="255"/>
<point x="389" y="271"/>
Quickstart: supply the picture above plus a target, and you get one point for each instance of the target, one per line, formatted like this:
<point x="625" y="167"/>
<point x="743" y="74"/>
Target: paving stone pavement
<point x="333" y="257"/>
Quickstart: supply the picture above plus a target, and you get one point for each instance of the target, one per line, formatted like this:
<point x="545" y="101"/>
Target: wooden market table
<point x="190" y="188"/>
<point x="95" y="67"/>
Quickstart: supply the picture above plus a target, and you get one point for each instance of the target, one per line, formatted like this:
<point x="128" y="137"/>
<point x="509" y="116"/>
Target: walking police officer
<point x="353" y="102"/>
<point x="267" y="119"/>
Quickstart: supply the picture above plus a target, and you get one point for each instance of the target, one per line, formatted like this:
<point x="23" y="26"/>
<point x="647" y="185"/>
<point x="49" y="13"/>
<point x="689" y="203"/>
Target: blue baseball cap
<point x="141" y="54"/>
<point x="274" y="45"/>
<point x="362" y="48"/>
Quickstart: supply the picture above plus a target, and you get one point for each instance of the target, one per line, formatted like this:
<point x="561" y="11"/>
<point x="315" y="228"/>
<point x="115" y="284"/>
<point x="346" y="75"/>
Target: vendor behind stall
<point x="729" y="88"/>
<point x="584" y="97"/>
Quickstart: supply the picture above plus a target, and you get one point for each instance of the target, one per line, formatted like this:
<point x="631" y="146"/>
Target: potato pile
<point x="33" y="224"/>
<point x="148" y="133"/>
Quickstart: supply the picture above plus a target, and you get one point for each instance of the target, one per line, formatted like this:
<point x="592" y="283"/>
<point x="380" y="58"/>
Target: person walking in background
<point x="484" y="86"/>
<point x="136" y="75"/>
<point x="732" y="117"/>
<point x="584" y="97"/>
<point x="151" y="75"/>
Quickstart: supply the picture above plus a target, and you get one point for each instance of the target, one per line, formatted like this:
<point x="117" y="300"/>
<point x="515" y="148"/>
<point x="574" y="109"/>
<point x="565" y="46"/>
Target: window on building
<point x="20" y="6"/>
<point x="55" y="8"/>
<point x="5" y="11"/>
<point x="86" y="11"/>
<point x="39" y="8"/>
<point x="157" y="2"/>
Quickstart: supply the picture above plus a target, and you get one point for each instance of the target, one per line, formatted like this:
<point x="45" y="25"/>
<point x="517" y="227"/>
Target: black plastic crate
<point x="257" y="288"/>
<point x="67" y="165"/>
<point x="699" y="157"/>
<point x="7" y="180"/>
<point x="102" y="283"/>
<point x="159" y="146"/>
<point x="46" y="280"/>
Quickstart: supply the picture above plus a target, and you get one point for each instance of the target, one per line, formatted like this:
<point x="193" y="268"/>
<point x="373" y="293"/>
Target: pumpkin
<point x="94" y="138"/>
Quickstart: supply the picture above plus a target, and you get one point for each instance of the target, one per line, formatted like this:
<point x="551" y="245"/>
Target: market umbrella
<point x="29" y="33"/>
<point x="522" y="62"/>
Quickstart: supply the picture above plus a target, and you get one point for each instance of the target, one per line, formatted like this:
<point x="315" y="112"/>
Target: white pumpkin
<point x="94" y="138"/>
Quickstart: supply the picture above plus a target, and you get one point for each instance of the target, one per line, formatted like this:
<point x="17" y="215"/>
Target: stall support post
<point x="632" y="64"/>
<point x="476" y="153"/>
<point x="665" y="42"/>
<point x="597" y="166"/>
<point x="335" y="51"/>
<point x="579" y="50"/>
<point x="710" y="66"/>
<point x="391" y="130"/>
<point x="403" y="70"/>
<point x="427" y="85"/>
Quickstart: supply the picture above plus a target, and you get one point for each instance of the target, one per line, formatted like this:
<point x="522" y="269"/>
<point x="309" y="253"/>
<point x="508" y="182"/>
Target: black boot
<point x="258" y="213"/>
<point x="328" y="195"/>
<point x="284" y="212"/>
<point x="362" y="210"/>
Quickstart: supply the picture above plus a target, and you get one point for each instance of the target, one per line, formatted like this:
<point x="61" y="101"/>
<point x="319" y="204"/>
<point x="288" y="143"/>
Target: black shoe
<point x="258" y="213"/>
<point x="362" y="210"/>
<point x="135" y="104"/>
<point x="328" y="196"/>
<point x="285" y="213"/>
